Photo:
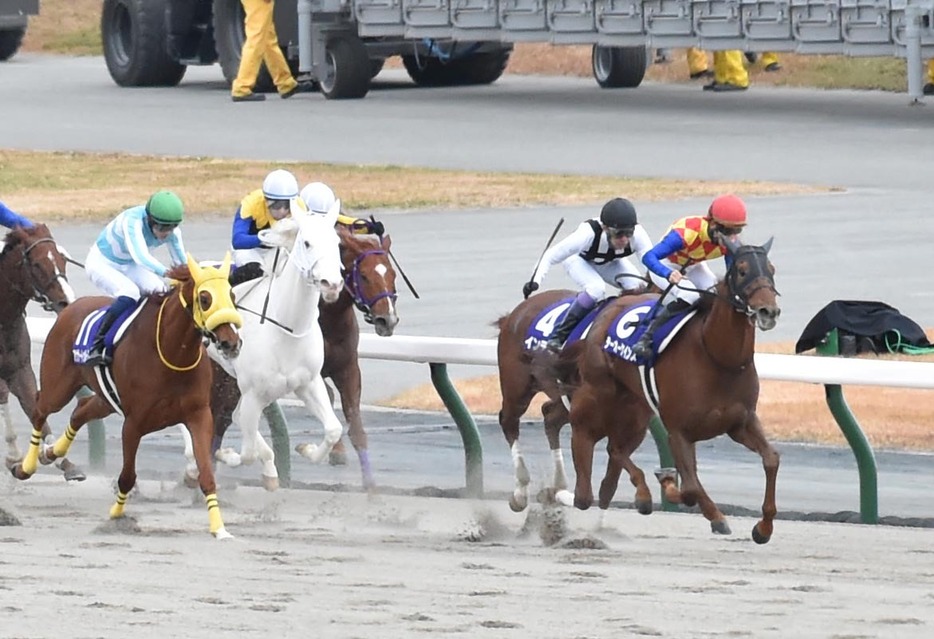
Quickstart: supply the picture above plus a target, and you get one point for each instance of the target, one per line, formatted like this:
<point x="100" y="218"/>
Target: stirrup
<point x="99" y="357"/>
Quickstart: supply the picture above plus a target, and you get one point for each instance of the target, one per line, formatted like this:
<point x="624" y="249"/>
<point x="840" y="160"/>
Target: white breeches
<point x="594" y="277"/>
<point x="697" y="276"/>
<point x="131" y="280"/>
<point x="248" y="256"/>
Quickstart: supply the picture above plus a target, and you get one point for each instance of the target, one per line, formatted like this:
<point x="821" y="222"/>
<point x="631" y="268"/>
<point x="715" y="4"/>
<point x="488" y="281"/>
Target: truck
<point x="342" y="44"/>
<point x="14" y="18"/>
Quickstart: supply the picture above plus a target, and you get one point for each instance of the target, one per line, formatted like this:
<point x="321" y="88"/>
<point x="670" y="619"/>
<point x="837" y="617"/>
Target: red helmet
<point x="728" y="210"/>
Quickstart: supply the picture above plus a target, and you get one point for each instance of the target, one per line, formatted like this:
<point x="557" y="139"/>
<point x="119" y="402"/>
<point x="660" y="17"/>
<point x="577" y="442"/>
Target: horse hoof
<point x="337" y="458"/>
<point x="270" y="483"/>
<point x="564" y="497"/>
<point x="74" y="474"/>
<point x="720" y="527"/>
<point x="758" y="537"/>
<point x="644" y="507"/>
<point x="222" y="534"/>
<point x="516" y="505"/>
<point x="17" y="471"/>
<point x="581" y="504"/>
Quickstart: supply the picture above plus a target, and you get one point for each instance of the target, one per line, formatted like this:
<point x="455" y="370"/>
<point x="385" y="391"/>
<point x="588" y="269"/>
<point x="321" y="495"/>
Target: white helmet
<point x="318" y="197"/>
<point x="280" y="185"/>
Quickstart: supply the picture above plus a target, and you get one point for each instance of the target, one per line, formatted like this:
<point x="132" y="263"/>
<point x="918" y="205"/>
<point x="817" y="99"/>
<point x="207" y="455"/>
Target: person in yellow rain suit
<point x="697" y="64"/>
<point x="929" y="87"/>
<point x="729" y="72"/>
<point x="261" y="45"/>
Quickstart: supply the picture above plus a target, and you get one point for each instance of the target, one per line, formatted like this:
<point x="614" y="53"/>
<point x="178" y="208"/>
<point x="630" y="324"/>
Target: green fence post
<point x="279" y="429"/>
<point x="665" y="458"/>
<point x="97" y="438"/>
<point x="865" y="459"/>
<point x="473" y="448"/>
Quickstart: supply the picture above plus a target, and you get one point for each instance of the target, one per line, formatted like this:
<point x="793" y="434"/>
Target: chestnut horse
<point x="160" y="374"/>
<point x="705" y="383"/>
<point x="31" y="268"/>
<point x="370" y="285"/>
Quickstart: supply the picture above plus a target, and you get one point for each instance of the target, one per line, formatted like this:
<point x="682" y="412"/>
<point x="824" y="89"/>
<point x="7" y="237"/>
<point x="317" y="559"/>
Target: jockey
<point x="10" y="219"/>
<point x="259" y="210"/>
<point x="318" y="198"/>
<point x="683" y="252"/>
<point x="593" y="254"/>
<point x="120" y="263"/>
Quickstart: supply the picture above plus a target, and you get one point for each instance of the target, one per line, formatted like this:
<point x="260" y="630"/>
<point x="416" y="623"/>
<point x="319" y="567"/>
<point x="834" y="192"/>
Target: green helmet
<point x="165" y="207"/>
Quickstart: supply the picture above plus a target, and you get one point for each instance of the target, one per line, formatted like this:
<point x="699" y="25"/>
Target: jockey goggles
<point x="278" y="209"/>
<point x="616" y="233"/>
<point x="161" y="227"/>
<point x="729" y="230"/>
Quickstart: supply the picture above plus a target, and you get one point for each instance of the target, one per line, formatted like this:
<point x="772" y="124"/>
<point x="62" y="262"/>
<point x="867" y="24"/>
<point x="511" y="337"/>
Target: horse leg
<point x="338" y="454"/>
<point x="585" y="412"/>
<point x="517" y="394"/>
<point x="691" y="490"/>
<point x="127" y="479"/>
<point x="556" y="416"/>
<point x="246" y="414"/>
<point x="13" y="454"/>
<point x="753" y="437"/>
<point x="348" y="385"/>
<point x="88" y="408"/>
<point x="315" y="397"/>
<point x="191" y="474"/>
<point x="201" y="428"/>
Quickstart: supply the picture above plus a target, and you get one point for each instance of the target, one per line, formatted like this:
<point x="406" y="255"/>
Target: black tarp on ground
<point x="868" y="321"/>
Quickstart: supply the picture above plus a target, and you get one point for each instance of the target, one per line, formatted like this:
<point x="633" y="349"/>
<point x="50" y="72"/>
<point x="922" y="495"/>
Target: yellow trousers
<point x="768" y="58"/>
<point x="931" y="71"/>
<point x="697" y="60"/>
<point x="728" y="68"/>
<point x="261" y="45"/>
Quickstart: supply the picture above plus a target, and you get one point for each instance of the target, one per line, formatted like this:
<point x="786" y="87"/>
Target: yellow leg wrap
<point x="116" y="511"/>
<point x="63" y="443"/>
<point x="214" y="514"/>
<point x="31" y="462"/>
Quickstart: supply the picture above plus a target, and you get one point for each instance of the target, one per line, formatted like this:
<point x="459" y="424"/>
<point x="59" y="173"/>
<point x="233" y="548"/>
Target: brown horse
<point x="370" y="285"/>
<point x="706" y="384"/>
<point x="160" y="374"/>
<point x="31" y="268"/>
<point x="523" y="373"/>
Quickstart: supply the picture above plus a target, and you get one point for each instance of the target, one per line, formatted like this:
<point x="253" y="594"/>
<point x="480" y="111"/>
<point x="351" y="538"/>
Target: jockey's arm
<point x="671" y="243"/>
<point x="573" y="244"/>
<point x="9" y="218"/>
<point x="136" y="245"/>
<point x="177" y="247"/>
<point x="242" y="236"/>
<point x="359" y="226"/>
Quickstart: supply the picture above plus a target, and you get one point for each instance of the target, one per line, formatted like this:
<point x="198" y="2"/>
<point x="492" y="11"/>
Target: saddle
<point x="90" y="328"/>
<point x="628" y="327"/>
<point x="541" y="328"/>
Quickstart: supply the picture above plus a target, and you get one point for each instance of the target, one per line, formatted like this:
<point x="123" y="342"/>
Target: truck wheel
<point x="430" y="72"/>
<point x="618" y="67"/>
<point x="482" y="68"/>
<point x="134" y="38"/>
<point x="347" y="69"/>
<point x="376" y="65"/>
<point x="229" y="37"/>
<point x="10" y="39"/>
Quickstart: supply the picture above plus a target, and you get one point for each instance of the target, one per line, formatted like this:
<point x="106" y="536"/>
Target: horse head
<point x="212" y="306"/>
<point x="370" y="279"/>
<point x="43" y="265"/>
<point x="751" y="283"/>
<point x="316" y="252"/>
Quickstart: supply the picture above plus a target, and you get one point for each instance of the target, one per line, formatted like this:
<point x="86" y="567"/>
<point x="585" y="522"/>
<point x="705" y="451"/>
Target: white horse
<point x="284" y="352"/>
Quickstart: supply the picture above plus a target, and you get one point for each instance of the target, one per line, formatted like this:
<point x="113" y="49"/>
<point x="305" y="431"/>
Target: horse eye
<point x="307" y="244"/>
<point x="204" y="298"/>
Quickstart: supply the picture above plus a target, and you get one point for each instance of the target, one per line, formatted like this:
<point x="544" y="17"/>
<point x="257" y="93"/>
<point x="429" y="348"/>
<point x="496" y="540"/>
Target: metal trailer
<point x="14" y="18"/>
<point x="342" y="44"/>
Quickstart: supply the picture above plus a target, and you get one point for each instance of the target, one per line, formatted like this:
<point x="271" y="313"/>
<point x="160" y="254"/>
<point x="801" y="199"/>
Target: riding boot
<point x="249" y="271"/>
<point x="97" y="355"/>
<point x="560" y="334"/>
<point x="643" y="347"/>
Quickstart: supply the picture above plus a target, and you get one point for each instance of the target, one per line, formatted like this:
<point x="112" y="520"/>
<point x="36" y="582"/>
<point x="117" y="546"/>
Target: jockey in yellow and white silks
<point x="318" y="198"/>
<point x="683" y="254"/>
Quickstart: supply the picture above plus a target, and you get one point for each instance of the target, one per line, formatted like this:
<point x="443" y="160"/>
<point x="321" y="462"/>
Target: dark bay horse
<point x="160" y="373"/>
<point x="523" y="373"/>
<point x="31" y="268"/>
<point x="370" y="286"/>
<point x="706" y="384"/>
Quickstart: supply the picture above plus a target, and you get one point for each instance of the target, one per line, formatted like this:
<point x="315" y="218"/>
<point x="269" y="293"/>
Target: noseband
<point x="740" y="288"/>
<point x="38" y="294"/>
<point x="353" y="282"/>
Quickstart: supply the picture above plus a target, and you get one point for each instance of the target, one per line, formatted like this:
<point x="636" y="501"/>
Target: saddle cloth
<point x="628" y="327"/>
<point x="89" y="329"/>
<point x="536" y="337"/>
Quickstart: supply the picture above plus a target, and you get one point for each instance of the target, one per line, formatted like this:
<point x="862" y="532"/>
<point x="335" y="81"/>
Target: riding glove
<point x="528" y="288"/>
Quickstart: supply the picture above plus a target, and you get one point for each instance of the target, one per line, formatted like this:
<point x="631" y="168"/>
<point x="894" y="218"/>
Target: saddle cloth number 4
<point x="546" y="325"/>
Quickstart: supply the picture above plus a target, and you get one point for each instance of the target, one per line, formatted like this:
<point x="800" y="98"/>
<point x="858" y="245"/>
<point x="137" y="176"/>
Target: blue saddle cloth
<point x="628" y="327"/>
<point x="89" y="328"/>
<point x="536" y="337"/>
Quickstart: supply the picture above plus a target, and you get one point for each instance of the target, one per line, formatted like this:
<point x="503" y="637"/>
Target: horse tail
<point x="500" y="322"/>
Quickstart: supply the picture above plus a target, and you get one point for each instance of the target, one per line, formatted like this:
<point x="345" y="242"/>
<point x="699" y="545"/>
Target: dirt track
<point x="341" y="565"/>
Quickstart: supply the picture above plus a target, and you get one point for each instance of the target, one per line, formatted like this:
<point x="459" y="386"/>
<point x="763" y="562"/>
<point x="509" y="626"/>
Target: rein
<point x="352" y="281"/>
<point x="37" y="295"/>
<point x="162" y="357"/>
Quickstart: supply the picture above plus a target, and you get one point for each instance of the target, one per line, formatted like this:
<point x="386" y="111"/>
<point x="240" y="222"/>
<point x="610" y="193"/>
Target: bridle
<point x="38" y="293"/>
<point x="739" y="288"/>
<point x="354" y="285"/>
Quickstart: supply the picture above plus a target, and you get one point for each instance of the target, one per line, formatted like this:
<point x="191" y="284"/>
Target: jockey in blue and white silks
<point x="120" y="263"/>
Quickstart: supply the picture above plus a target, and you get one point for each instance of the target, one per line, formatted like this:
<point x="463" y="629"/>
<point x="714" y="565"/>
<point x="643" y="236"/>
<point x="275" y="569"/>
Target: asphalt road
<point x="864" y="242"/>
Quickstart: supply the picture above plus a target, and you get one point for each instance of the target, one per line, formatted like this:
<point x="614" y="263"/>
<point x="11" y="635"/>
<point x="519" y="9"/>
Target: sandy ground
<point x="321" y="564"/>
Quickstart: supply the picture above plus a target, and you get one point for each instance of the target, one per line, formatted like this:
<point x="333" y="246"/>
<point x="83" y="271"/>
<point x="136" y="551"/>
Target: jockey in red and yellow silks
<point x="683" y="253"/>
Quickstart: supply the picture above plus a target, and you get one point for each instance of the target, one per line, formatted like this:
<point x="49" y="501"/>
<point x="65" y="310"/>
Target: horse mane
<point x="180" y="273"/>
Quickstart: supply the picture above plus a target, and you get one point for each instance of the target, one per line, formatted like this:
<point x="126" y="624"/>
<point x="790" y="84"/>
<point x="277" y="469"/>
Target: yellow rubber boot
<point x="770" y="62"/>
<point x="729" y="70"/>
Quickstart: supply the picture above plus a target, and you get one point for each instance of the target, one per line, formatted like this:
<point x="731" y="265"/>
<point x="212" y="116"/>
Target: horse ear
<point x="194" y="268"/>
<point x="768" y="245"/>
<point x="225" y="266"/>
<point x="387" y="242"/>
<point x="297" y="207"/>
<point x="333" y="213"/>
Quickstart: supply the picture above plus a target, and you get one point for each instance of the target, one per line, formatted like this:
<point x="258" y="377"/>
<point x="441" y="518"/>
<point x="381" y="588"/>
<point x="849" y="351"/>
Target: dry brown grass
<point x="891" y="417"/>
<point x="54" y="186"/>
